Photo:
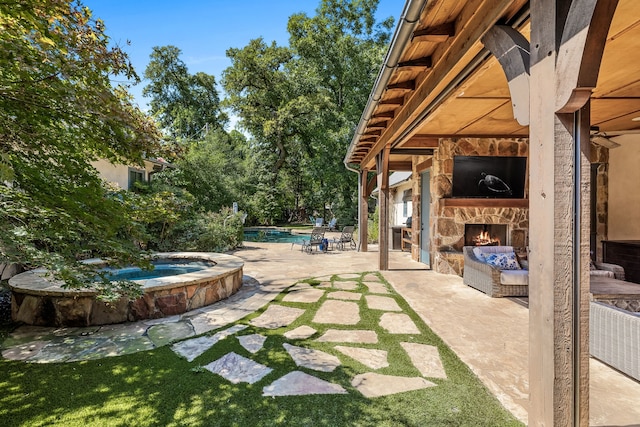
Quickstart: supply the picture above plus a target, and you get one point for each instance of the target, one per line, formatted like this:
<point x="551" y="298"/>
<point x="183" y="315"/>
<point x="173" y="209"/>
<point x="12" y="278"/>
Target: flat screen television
<point x="489" y="177"/>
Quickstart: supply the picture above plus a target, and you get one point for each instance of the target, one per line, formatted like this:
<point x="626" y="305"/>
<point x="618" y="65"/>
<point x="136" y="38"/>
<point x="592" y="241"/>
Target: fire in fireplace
<point x="485" y="234"/>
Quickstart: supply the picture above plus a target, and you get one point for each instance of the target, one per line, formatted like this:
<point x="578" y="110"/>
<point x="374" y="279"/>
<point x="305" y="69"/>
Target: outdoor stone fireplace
<point x="455" y="222"/>
<point x="485" y="234"/>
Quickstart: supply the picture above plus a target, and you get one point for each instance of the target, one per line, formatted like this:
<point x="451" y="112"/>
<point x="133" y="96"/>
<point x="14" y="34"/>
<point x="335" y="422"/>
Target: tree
<point x="59" y="112"/>
<point x="185" y="105"/>
<point x="301" y="103"/>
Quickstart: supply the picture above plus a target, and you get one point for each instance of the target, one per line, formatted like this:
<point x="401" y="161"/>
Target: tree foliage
<point x="184" y="104"/>
<point x="58" y="112"/>
<point x="301" y="104"/>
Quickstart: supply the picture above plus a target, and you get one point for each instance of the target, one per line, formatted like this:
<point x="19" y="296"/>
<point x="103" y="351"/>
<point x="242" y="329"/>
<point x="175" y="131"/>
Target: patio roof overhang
<point x="440" y="80"/>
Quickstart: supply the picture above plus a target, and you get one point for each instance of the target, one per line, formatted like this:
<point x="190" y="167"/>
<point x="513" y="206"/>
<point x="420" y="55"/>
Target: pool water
<point x="161" y="269"/>
<point x="273" y="236"/>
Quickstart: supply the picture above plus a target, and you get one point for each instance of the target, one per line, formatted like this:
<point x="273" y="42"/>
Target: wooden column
<point x="567" y="39"/>
<point x="363" y="210"/>
<point x="382" y="168"/>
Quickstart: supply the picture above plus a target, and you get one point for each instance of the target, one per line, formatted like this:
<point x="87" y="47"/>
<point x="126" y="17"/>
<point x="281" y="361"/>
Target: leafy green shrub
<point x="374" y="227"/>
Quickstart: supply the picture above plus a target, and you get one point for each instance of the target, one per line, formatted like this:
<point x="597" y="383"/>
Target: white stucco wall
<point x="396" y="217"/>
<point x="624" y="196"/>
<point x="119" y="174"/>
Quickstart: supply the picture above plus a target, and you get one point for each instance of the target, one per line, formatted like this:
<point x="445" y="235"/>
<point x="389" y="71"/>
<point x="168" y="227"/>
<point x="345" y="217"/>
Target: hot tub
<point x="197" y="279"/>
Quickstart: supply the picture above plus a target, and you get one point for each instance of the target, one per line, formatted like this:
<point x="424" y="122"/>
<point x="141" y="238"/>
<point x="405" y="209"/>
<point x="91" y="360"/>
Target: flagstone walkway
<point x="339" y="298"/>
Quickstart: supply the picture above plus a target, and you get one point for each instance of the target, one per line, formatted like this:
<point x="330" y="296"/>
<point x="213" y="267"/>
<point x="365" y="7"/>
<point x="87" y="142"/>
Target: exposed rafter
<point x="436" y="34"/>
<point x="420" y="63"/>
<point x="383" y="115"/>
<point x="406" y="85"/>
<point x="392" y="101"/>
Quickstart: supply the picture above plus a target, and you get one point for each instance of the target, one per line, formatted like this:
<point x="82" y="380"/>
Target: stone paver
<point x="372" y="358"/>
<point x="166" y="333"/>
<point x="377" y="288"/>
<point x="304" y="295"/>
<point x="238" y="369"/>
<point x="345" y="286"/>
<point x="426" y="359"/>
<point x="371" y="278"/>
<point x="345" y="295"/>
<point x="190" y="349"/>
<point x="349" y="276"/>
<point x="349" y="336"/>
<point x="372" y="384"/>
<point x="298" y="383"/>
<point x="312" y="359"/>
<point x="338" y="313"/>
<point x="300" y="333"/>
<point x="252" y="343"/>
<point x="398" y="323"/>
<point x="277" y="316"/>
<point x="375" y="302"/>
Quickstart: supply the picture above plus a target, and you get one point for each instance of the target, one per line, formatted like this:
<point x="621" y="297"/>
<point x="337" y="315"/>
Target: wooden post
<point x="567" y="40"/>
<point x="383" y="211"/>
<point x="363" y="210"/>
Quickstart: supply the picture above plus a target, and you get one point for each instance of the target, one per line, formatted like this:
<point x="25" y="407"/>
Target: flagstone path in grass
<point x="339" y="308"/>
<point x="334" y="309"/>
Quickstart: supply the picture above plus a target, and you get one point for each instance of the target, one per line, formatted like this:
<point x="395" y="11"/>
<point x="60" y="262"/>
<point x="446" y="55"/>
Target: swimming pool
<point x="273" y="236"/>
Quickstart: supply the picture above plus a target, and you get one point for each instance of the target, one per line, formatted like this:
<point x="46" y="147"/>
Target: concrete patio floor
<point x="490" y="335"/>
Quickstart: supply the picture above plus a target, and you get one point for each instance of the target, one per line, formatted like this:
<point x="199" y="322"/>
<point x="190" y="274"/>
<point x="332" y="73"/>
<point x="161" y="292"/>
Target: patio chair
<point x="316" y="239"/>
<point x="345" y="238"/>
<point x="319" y="222"/>
<point x="332" y="224"/>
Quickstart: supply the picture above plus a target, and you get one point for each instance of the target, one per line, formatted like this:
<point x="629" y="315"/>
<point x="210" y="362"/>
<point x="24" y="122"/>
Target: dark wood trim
<point x="407" y="85"/>
<point x="436" y="34"/>
<point x="400" y="166"/>
<point x="416" y="63"/>
<point x="413" y="151"/>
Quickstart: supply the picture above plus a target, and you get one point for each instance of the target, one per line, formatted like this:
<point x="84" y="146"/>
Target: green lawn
<point x="158" y="388"/>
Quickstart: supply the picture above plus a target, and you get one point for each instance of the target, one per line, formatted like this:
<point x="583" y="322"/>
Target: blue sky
<point x="202" y="29"/>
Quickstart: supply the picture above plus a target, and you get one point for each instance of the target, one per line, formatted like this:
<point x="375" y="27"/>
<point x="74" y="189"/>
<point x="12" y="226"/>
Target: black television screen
<point x="489" y="177"/>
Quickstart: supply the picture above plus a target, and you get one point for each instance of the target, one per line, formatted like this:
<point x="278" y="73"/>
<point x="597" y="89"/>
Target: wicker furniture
<point x="614" y="338"/>
<point x="601" y="268"/>
<point x="489" y="279"/>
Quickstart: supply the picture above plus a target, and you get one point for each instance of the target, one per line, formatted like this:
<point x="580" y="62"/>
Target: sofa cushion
<point x="602" y="273"/>
<point x="514" y="277"/>
<point x="503" y="261"/>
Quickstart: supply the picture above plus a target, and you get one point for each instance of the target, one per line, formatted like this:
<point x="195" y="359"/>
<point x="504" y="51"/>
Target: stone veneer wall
<point x="447" y="223"/>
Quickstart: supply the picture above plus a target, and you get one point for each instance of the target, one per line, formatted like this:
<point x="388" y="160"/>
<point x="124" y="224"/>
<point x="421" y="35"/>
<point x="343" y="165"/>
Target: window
<point x="135" y="175"/>
<point x="406" y="198"/>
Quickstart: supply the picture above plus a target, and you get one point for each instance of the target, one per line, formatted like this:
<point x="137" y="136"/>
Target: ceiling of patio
<point x="447" y="100"/>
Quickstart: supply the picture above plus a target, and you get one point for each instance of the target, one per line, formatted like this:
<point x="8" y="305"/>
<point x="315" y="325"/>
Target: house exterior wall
<point x="119" y="174"/>
<point x="397" y="216"/>
<point x="624" y="197"/>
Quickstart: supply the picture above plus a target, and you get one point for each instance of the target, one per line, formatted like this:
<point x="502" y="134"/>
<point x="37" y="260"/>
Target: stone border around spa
<point x="37" y="300"/>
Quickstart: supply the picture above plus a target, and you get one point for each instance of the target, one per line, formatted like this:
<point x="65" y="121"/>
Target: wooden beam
<point x="406" y="85"/>
<point x="383" y="115"/>
<point x="435" y="34"/>
<point x="511" y="49"/>
<point x="400" y="166"/>
<point x="413" y="151"/>
<point x="420" y="63"/>
<point x="392" y="101"/>
<point x="371" y="184"/>
<point x="423" y="166"/>
<point x="378" y="126"/>
<point x="485" y="203"/>
<point x="421" y="141"/>
<point x="373" y="132"/>
<point x="383" y="209"/>
<point x="363" y="210"/>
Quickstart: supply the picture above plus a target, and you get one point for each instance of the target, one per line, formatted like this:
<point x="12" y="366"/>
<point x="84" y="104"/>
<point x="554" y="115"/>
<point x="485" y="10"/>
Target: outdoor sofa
<point x="614" y="337"/>
<point x="495" y="280"/>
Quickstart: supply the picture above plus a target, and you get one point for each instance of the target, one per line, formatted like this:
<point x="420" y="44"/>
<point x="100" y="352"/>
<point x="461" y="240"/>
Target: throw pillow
<point x="503" y="260"/>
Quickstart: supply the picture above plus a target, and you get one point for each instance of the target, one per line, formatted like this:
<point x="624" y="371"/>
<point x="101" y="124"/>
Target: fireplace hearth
<point x="485" y="234"/>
